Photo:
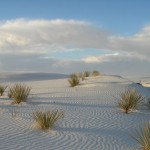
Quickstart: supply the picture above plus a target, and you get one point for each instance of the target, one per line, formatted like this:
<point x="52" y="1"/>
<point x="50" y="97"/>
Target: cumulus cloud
<point x="28" y="45"/>
<point x="43" y="36"/>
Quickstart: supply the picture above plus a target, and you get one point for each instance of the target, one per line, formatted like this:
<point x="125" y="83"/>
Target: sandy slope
<point x="146" y="82"/>
<point x="92" y="121"/>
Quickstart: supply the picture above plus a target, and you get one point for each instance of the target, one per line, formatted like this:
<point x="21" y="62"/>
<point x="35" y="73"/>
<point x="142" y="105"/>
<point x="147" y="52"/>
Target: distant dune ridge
<point x="18" y="77"/>
<point x="92" y="119"/>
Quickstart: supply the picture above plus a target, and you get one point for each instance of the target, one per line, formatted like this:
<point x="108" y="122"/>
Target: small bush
<point x="19" y="93"/>
<point x="46" y="120"/>
<point x="2" y="89"/>
<point x="87" y="73"/>
<point x="9" y="93"/>
<point x="81" y="75"/>
<point x="95" y="73"/>
<point x="142" y="136"/>
<point x="74" y="80"/>
<point x="129" y="100"/>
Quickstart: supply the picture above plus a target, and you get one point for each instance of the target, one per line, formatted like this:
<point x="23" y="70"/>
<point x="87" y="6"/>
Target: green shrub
<point x="19" y="93"/>
<point x="87" y="73"/>
<point x="46" y="120"/>
<point x="74" y="80"/>
<point x="142" y="136"/>
<point x="2" y="89"/>
<point x="129" y="100"/>
<point x="95" y="73"/>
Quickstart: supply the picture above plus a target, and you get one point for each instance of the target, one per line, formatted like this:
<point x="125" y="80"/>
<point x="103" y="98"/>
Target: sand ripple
<point x="92" y="120"/>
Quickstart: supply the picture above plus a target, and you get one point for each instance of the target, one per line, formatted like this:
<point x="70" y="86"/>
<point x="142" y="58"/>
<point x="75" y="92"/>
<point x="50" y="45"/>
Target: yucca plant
<point x="74" y="80"/>
<point x="46" y="119"/>
<point x="129" y="100"/>
<point x="95" y="73"/>
<point x="2" y="89"/>
<point x="87" y="73"/>
<point x="19" y="93"/>
<point x="9" y="94"/>
<point x="142" y="136"/>
<point x="81" y="75"/>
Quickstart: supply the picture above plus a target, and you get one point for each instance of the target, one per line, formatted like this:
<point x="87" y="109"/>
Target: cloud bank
<point x="24" y="45"/>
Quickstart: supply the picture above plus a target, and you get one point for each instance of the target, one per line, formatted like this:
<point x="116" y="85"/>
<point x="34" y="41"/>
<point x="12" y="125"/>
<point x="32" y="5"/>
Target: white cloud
<point x="38" y="63"/>
<point x="102" y="58"/>
<point x="24" y="44"/>
<point x="42" y="36"/>
<point x="137" y="44"/>
<point x="114" y="57"/>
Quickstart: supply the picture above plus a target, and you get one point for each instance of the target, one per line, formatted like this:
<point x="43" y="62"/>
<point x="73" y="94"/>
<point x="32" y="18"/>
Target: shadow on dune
<point x="140" y="88"/>
<point x="114" y="82"/>
<point x="70" y="104"/>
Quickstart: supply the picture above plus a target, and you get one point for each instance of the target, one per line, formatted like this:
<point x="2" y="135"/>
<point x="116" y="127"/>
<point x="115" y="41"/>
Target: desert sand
<point x="92" y="120"/>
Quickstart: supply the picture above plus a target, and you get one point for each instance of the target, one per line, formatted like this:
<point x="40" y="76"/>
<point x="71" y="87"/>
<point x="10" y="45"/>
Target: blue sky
<point x="121" y="16"/>
<point x="86" y="33"/>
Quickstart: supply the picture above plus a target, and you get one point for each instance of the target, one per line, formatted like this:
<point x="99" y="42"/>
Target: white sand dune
<point x="146" y="82"/>
<point x="92" y="120"/>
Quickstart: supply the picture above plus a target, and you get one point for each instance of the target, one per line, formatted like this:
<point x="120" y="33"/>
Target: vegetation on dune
<point x="95" y="73"/>
<point x="2" y="89"/>
<point x="74" y="80"/>
<point x="129" y="100"/>
<point x="80" y="75"/>
<point x="87" y="73"/>
<point x="19" y="93"/>
<point x="9" y="94"/>
<point x="46" y="119"/>
<point x="142" y="136"/>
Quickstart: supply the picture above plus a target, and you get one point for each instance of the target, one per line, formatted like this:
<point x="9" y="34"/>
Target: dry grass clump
<point x="95" y="73"/>
<point x="9" y="94"/>
<point x="142" y="136"/>
<point x="81" y="75"/>
<point x="74" y="80"/>
<point x="2" y="89"/>
<point x="86" y="73"/>
<point x="19" y="93"/>
<point x="46" y="119"/>
<point x="129" y="100"/>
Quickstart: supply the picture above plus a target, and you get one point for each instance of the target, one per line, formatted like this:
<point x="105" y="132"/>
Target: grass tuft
<point x="129" y="100"/>
<point x="80" y="75"/>
<point x="142" y="136"/>
<point x="2" y="89"/>
<point x="95" y="73"/>
<point x="46" y="120"/>
<point x="19" y="93"/>
<point x="87" y="73"/>
<point x="9" y="94"/>
<point x="74" y="80"/>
